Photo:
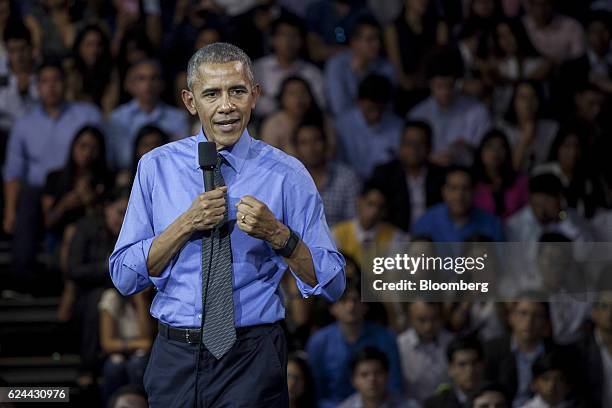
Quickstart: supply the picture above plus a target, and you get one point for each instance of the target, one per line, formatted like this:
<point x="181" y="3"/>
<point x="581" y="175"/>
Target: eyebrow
<point x="231" y="88"/>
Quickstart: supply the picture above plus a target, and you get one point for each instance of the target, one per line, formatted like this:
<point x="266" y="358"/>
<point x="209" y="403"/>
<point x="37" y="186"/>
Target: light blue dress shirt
<point x="39" y="143"/>
<point x="167" y="181"/>
<point x="126" y="120"/>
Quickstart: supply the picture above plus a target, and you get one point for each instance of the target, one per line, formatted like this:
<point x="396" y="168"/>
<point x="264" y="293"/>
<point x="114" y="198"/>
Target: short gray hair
<point x="218" y="53"/>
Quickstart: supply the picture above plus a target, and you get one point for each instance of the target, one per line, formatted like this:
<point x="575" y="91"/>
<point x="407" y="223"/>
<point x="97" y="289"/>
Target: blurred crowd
<point x="419" y="121"/>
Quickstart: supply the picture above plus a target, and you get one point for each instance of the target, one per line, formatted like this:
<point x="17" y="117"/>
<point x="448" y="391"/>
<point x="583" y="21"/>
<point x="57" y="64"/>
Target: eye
<point x="238" y="91"/>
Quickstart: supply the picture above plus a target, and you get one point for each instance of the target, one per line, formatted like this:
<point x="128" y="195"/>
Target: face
<point x="528" y="320"/>
<point x="310" y="147"/>
<point x="526" y="102"/>
<point x="349" y="309"/>
<point x="86" y="150"/>
<point x="146" y="83"/>
<point x="414" y="147"/>
<point x="372" y="111"/>
<point x="598" y="37"/>
<point x="457" y="193"/>
<point x="51" y="87"/>
<point x="466" y="369"/>
<point x="131" y="401"/>
<point x="114" y="213"/>
<point x="425" y="319"/>
<point x="494" y="154"/>
<point x="483" y="8"/>
<point x="569" y="153"/>
<point x="370" y="379"/>
<point x="442" y="89"/>
<point x="545" y="207"/>
<point x="370" y="209"/>
<point x="419" y="7"/>
<point x="553" y="261"/>
<point x="552" y="387"/>
<point x="5" y="10"/>
<point x="490" y="399"/>
<point x="602" y="312"/>
<point x="19" y="55"/>
<point x="206" y="37"/>
<point x="588" y="104"/>
<point x="295" y="381"/>
<point x="506" y="39"/>
<point x="223" y="98"/>
<point x="296" y="99"/>
<point x="148" y="142"/>
<point x="91" y="48"/>
<point x="366" y="44"/>
<point x="287" y="41"/>
<point x="540" y="10"/>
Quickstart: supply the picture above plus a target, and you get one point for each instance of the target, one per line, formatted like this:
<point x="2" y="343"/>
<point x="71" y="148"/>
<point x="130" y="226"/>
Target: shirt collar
<point x="234" y="155"/>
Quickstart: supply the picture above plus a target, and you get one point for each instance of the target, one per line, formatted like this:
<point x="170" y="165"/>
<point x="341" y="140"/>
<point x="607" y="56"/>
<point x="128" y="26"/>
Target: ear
<point x="256" y="91"/>
<point x="189" y="101"/>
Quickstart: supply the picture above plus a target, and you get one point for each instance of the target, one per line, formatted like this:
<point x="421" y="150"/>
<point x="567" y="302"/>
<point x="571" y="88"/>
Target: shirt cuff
<point x="136" y="260"/>
<point x="329" y="270"/>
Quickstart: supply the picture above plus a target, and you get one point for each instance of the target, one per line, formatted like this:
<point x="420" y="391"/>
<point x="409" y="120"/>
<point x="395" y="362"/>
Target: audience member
<point x="370" y="373"/>
<point x="331" y="349"/>
<point x="465" y="369"/>
<point x="499" y="189"/>
<point x="299" y="382"/>
<point x="129" y="396"/>
<point x="556" y="36"/>
<point x="296" y="105"/>
<point x="410" y="183"/>
<point x="369" y="134"/>
<point x="337" y="184"/>
<point x="367" y="234"/>
<point x="458" y="121"/>
<point x="30" y="159"/>
<point x="490" y="395"/>
<point x="270" y="71"/>
<point x="423" y="350"/>
<point x="145" y="84"/>
<point x="125" y="339"/>
<point x="550" y="383"/>
<point x="345" y="71"/>
<point x="456" y="218"/>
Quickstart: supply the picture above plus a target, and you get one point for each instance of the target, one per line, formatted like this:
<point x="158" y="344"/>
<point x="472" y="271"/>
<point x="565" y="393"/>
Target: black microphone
<point x="207" y="157"/>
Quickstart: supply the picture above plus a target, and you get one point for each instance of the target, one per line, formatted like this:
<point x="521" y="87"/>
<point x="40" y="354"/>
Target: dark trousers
<point x="26" y="237"/>
<point x="253" y="373"/>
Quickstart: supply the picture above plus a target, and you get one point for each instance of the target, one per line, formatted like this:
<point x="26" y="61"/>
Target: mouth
<point x="227" y="125"/>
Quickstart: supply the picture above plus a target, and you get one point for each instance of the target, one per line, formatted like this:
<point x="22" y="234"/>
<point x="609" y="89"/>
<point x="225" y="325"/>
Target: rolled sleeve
<point x="307" y="219"/>
<point x="128" y="262"/>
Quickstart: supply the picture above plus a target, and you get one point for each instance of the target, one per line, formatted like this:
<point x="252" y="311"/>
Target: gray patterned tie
<point x="219" y="333"/>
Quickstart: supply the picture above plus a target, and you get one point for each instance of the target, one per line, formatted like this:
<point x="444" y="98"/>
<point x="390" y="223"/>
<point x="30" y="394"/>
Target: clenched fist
<point x="256" y="219"/>
<point x="207" y="210"/>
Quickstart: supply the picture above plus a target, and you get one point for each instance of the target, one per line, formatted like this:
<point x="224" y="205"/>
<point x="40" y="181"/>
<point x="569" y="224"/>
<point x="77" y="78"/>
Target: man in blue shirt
<point x="39" y="142"/>
<point x="145" y="84"/>
<point x="269" y="207"/>
<point x="456" y="219"/>
<point x="331" y="349"/>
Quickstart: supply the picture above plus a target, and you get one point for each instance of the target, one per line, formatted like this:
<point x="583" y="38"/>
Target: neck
<point x="413" y="170"/>
<point x="54" y="111"/>
<point x="147" y="106"/>
<point x="373" y="402"/>
<point x="351" y="331"/>
<point x="494" y="176"/>
<point x="284" y="61"/>
<point x="460" y="219"/>
<point x="526" y="345"/>
<point x="413" y="19"/>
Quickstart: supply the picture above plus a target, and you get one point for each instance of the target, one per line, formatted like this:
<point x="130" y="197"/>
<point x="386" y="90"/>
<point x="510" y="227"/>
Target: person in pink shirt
<point x="499" y="189"/>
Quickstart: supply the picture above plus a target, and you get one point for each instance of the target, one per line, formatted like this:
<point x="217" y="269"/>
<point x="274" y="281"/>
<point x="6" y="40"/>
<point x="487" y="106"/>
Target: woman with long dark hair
<point x="299" y="382"/>
<point x="499" y="188"/>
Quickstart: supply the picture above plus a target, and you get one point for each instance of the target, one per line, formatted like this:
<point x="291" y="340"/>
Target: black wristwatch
<point x="287" y="250"/>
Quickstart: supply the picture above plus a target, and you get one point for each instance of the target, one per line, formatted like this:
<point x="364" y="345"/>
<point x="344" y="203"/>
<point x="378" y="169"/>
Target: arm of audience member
<point x="336" y="94"/>
<point x="111" y="344"/>
<point x="14" y="173"/>
<point x="81" y="269"/>
<point x="393" y="52"/>
<point x="396" y="378"/>
<point x="153" y="23"/>
<point x="314" y="350"/>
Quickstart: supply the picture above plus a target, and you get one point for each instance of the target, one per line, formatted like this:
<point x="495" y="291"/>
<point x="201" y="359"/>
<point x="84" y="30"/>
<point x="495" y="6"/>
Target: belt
<point x="193" y="336"/>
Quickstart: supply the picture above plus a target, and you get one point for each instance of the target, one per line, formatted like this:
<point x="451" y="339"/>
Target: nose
<point x="226" y="104"/>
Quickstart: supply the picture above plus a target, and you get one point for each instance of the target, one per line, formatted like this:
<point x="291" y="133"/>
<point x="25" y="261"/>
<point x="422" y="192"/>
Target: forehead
<point x="223" y="74"/>
<point x="145" y="68"/>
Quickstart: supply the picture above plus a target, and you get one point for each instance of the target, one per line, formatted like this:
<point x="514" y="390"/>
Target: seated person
<point x="490" y="395"/>
<point x="550" y="383"/>
<point x="423" y="350"/>
<point x="129" y="396"/>
<point x="367" y="234"/>
<point x="456" y="219"/>
<point x="125" y="338"/>
<point x="466" y="370"/>
<point x="368" y="134"/>
<point x="370" y="368"/>
<point x="331" y="349"/>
